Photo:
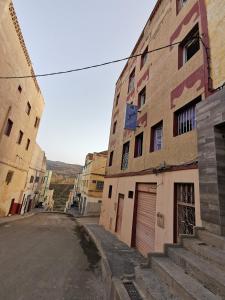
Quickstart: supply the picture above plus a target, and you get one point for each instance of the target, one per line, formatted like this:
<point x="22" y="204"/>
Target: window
<point x="111" y="159"/>
<point x="125" y="156"/>
<point x="138" y="150"/>
<point x="184" y="118"/>
<point x="131" y="81"/>
<point x="37" y="121"/>
<point x="142" y="98"/>
<point x="8" y="127"/>
<point x="20" y="137"/>
<point x="189" y="46"/>
<point x="117" y="99"/>
<point x="156" y="137"/>
<point x="31" y="179"/>
<point x="130" y="194"/>
<point x="144" y="57"/>
<point x="28" y="108"/>
<point x="28" y="144"/>
<point x="99" y="185"/>
<point x="93" y="181"/>
<point x="114" y="127"/>
<point x="37" y="179"/>
<point x="110" y="192"/>
<point x="180" y="4"/>
<point x="9" y="177"/>
<point x="20" y="88"/>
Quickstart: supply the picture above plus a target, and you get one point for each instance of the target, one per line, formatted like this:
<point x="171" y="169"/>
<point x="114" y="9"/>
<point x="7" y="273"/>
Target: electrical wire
<point x="89" y="67"/>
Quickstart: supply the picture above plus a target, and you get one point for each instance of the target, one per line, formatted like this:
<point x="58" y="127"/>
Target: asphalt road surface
<point x="46" y="257"/>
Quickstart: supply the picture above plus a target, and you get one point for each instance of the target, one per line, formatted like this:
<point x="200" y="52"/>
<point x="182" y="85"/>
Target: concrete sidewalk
<point x="121" y="259"/>
<point x="7" y="220"/>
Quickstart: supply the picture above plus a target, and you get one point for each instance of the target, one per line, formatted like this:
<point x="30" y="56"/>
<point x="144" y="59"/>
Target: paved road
<point x="45" y="257"/>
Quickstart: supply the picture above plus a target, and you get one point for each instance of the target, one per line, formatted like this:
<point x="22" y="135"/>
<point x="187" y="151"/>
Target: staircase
<point x="193" y="269"/>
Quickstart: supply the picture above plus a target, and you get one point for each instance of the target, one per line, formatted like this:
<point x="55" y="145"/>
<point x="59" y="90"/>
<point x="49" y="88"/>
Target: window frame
<point x="144" y="57"/>
<point x="142" y="92"/>
<point x="110" y="191"/>
<point x="153" y="143"/>
<point x="28" y="108"/>
<point x="20" y="137"/>
<point x="182" y="49"/>
<point x="114" y="127"/>
<point x="124" y="164"/>
<point x="8" y="127"/>
<point x="9" y="177"/>
<point x="138" y="148"/>
<point x="111" y="158"/>
<point x="186" y="109"/>
<point x="131" y="83"/>
<point x="27" y="144"/>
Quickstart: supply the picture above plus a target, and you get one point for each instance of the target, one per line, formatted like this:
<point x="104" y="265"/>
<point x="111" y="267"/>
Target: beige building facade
<point x="92" y="183"/>
<point x="151" y="192"/>
<point x="20" y="112"/>
<point x="35" y="180"/>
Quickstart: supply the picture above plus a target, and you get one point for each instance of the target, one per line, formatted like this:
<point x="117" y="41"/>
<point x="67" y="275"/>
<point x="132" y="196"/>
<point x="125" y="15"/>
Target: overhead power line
<point x="89" y="67"/>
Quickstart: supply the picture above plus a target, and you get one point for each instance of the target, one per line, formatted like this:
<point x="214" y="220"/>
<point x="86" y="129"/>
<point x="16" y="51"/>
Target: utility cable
<point x="90" y="67"/>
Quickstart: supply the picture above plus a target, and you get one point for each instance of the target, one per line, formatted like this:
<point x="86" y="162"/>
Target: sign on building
<point x="131" y="117"/>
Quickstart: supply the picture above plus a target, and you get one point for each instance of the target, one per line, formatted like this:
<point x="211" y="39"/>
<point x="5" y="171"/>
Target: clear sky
<point x="69" y="34"/>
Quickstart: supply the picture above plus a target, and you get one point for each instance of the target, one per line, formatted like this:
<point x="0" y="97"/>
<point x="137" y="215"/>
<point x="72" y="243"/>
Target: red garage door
<point x="145" y="217"/>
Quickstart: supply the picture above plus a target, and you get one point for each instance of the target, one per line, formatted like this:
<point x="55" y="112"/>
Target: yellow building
<point x="92" y="183"/>
<point x="20" y="112"/>
<point x="151" y="192"/>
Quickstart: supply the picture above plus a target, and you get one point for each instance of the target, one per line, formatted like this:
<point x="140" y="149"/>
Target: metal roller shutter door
<point x="145" y="218"/>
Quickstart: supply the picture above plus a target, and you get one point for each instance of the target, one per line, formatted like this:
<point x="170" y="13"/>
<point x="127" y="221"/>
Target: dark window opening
<point x="130" y="194"/>
<point x="117" y="99"/>
<point x="100" y="185"/>
<point x="185" y="118"/>
<point x="8" y="127"/>
<point x="31" y="179"/>
<point x="111" y="159"/>
<point x="37" y="179"/>
<point x="156" y="137"/>
<point x="9" y="177"/>
<point x="114" y="127"/>
<point x="28" y="144"/>
<point x="138" y="150"/>
<point x="20" y="88"/>
<point x="125" y="156"/>
<point x="20" y="137"/>
<point x="189" y="47"/>
<point x="28" y="108"/>
<point x="110" y="192"/>
<point x="144" y="57"/>
<point x="37" y="121"/>
<point x="131" y="81"/>
<point x="142" y="98"/>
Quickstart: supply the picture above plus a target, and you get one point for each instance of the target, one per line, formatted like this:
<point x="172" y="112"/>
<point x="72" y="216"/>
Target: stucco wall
<point x="14" y="60"/>
<point x="164" y="203"/>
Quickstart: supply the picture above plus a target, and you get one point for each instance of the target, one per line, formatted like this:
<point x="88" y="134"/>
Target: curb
<point x="15" y="220"/>
<point x="114" y="285"/>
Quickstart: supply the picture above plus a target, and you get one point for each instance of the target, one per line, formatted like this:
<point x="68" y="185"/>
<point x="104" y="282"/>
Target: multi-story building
<point x="35" y="179"/>
<point x="20" y="112"/>
<point x="92" y="183"/>
<point x="151" y="192"/>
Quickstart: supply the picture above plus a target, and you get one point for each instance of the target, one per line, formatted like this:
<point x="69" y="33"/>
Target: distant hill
<point x="63" y="173"/>
<point x="62" y="168"/>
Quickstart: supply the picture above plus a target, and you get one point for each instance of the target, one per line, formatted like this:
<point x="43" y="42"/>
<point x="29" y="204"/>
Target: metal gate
<point x="145" y="218"/>
<point x="184" y="209"/>
<point x="119" y="217"/>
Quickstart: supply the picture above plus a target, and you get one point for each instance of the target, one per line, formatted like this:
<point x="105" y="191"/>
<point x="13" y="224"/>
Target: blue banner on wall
<point x="131" y="117"/>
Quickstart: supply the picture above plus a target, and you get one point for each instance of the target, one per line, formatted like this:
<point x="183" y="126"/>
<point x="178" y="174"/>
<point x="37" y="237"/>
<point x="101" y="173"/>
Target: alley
<point x="45" y="257"/>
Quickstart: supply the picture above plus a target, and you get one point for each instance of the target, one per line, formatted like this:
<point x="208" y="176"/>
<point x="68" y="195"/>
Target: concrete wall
<point x="211" y="146"/>
<point x="14" y="60"/>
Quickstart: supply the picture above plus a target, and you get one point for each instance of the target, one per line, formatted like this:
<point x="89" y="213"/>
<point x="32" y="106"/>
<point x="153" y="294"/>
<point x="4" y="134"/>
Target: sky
<point x="69" y="34"/>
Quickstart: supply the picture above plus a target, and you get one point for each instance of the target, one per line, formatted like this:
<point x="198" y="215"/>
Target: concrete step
<point x="182" y="285"/>
<point x="150" y="285"/>
<point x="206" y="251"/>
<point x="207" y="273"/>
<point x="211" y="239"/>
